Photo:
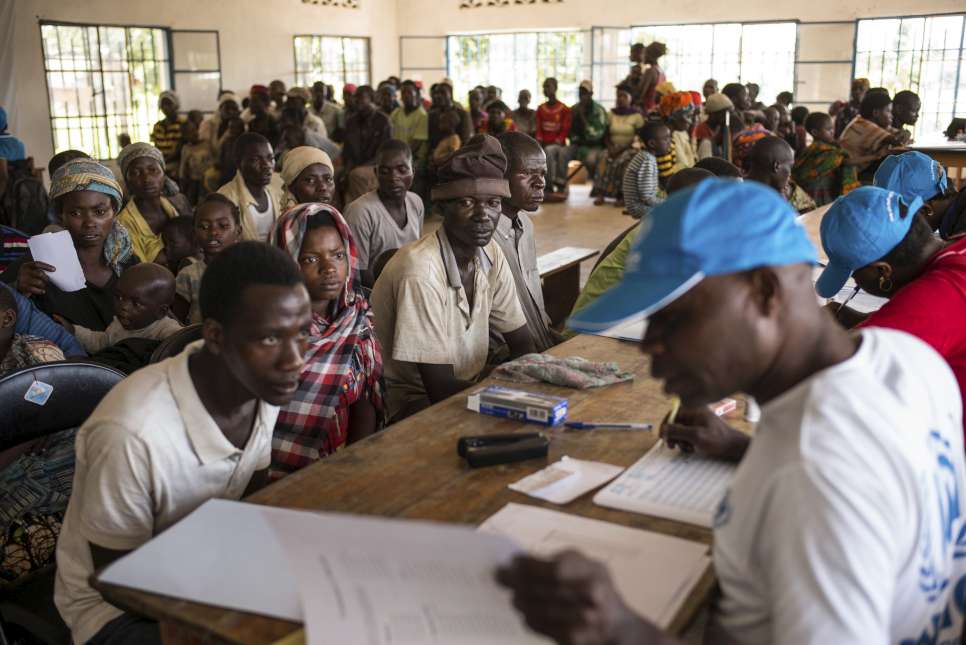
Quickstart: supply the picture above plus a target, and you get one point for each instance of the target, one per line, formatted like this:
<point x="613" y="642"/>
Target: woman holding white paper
<point x="86" y="198"/>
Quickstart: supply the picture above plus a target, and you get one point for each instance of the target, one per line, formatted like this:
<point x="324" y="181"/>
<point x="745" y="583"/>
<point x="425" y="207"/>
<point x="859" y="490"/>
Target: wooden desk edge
<point x="127" y="599"/>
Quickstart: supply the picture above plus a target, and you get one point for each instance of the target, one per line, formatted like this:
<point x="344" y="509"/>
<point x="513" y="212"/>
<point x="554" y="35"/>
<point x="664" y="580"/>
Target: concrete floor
<point x="575" y="222"/>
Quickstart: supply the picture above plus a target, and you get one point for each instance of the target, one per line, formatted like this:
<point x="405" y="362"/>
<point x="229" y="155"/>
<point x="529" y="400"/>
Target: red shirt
<point x="553" y="123"/>
<point x="933" y="308"/>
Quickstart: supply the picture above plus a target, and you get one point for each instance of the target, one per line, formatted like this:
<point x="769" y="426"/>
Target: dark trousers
<point x="128" y="629"/>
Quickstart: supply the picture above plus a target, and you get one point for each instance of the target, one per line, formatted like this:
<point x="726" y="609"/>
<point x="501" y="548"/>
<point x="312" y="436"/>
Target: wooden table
<point x="560" y="272"/>
<point x="411" y="470"/>
<point x="951" y="154"/>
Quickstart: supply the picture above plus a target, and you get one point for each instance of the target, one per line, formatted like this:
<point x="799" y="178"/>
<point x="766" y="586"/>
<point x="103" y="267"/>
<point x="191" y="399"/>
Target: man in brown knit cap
<point x="437" y="299"/>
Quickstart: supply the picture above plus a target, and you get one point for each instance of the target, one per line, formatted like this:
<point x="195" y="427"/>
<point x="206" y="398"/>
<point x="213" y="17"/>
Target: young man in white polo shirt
<point x="845" y="521"/>
<point x="175" y="434"/>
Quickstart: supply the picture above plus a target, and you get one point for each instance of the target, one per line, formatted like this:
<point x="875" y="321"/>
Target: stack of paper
<point x="669" y="483"/>
<point x="654" y="573"/>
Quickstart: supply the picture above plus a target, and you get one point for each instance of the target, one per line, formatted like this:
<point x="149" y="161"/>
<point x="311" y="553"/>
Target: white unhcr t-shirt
<point x="148" y="455"/>
<point x="845" y="521"/>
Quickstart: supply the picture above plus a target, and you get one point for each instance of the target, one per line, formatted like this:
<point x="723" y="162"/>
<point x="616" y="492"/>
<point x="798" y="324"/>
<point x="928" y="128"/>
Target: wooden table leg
<point x="560" y="292"/>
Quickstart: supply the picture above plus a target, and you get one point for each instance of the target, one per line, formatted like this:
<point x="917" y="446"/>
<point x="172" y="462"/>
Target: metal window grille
<point x="335" y="60"/>
<point x="762" y="53"/>
<point x="518" y="61"/>
<point x="924" y="54"/>
<point x="103" y="81"/>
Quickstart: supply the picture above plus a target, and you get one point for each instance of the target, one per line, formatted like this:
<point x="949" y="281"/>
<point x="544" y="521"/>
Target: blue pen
<point x="580" y="425"/>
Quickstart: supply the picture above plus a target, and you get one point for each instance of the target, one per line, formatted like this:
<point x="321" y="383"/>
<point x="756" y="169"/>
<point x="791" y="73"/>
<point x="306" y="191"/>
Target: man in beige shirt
<point x="438" y="298"/>
<point x="526" y="176"/>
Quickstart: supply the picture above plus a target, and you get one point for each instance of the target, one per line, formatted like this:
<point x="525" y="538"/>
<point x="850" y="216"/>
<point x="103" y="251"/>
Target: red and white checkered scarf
<point x="343" y="363"/>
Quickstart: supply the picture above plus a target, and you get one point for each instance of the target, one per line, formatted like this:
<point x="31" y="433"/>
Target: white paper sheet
<point x="381" y="582"/>
<point x="630" y="330"/>
<point x="670" y="483"/>
<point x="863" y="302"/>
<point x="564" y="481"/>
<point x="654" y="573"/>
<point x="223" y="554"/>
<point x="57" y="249"/>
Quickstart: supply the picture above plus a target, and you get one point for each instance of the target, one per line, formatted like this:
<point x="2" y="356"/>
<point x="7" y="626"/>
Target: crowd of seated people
<point x="287" y="229"/>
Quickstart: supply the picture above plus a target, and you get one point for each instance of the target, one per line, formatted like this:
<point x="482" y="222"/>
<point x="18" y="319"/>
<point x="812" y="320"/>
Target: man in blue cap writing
<point x="842" y="523"/>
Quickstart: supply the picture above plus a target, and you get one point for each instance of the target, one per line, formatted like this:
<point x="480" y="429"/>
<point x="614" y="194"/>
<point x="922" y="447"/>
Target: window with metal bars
<point x="335" y="60"/>
<point x="518" y="61"/>
<point x="761" y="53"/>
<point x="103" y="81"/>
<point x="924" y="54"/>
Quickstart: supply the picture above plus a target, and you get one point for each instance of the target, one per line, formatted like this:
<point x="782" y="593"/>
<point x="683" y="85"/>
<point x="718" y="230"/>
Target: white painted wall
<point x="256" y="43"/>
<point x="256" y="35"/>
<point x="436" y="17"/>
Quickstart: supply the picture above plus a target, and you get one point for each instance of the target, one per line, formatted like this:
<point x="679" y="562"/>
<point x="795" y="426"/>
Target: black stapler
<point x="493" y="449"/>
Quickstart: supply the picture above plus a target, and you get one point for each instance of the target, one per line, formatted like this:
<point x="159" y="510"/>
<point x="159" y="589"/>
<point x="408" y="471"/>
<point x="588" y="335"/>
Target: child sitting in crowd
<point x="195" y="160"/>
<point x="217" y="225"/>
<point x="450" y="143"/>
<point x="21" y="350"/>
<point x="641" y="177"/>
<point x="823" y="169"/>
<point x="179" y="242"/>
<point x="142" y="300"/>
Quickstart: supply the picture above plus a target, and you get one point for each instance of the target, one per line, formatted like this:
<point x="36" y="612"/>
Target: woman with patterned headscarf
<point x="677" y="109"/>
<point x="149" y="206"/>
<point x="86" y="199"/>
<point x="340" y="394"/>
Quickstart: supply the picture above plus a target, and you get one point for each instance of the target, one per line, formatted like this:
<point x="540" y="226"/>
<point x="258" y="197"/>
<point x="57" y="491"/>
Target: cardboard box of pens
<point x="517" y="404"/>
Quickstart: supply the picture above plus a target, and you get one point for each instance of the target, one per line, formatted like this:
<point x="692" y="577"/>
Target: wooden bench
<point x="560" y="272"/>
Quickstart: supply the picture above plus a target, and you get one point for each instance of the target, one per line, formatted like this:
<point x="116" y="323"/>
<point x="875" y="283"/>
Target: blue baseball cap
<point x="719" y="226"/>
<point x="860" y="228"/>
<point x="911" y="174"/>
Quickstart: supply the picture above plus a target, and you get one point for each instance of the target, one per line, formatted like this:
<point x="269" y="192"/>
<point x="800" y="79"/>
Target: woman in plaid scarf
<point x="340" y="395"/>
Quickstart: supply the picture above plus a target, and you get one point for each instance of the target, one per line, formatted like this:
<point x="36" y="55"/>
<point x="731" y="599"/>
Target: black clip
<point x="493" y="449"/>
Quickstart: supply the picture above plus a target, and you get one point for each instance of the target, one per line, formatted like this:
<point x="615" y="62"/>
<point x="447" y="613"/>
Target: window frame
<point x="959" y="100"/>
<point x="793" y="87"/>
<point x="342" y="38"/>
<point x="584" y="67"/>
<point x="103" y="115"/>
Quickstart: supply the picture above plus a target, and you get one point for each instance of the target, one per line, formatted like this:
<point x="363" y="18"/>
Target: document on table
<point x="57" y="249"/>
<point x="351" y="579"/>
<point x="669" y="483"/>
<point x="381" y="582"/>
<point x="564" y="481"/>
<point x="863" y="302"/>
<point x="654" y="573"/>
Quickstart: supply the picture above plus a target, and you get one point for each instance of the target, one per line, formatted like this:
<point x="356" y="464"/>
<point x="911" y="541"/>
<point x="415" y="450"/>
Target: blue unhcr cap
<point x="860" y="228"/>
<point x="911" y="174"/>
<point x="717" y="227"/>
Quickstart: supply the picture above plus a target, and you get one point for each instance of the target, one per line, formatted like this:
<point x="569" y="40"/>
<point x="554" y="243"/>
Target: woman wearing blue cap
<point x="843" y="523"/>
<point x="914" y="174"/>
<point x="884" y="243"/>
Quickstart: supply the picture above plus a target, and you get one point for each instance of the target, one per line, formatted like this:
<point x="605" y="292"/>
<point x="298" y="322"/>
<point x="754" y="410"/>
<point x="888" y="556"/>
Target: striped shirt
<point x="166" y="137"/>
<point x="640" y="184"/>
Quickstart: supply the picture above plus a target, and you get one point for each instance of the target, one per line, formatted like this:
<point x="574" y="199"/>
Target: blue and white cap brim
<point x="626" y="301"/>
